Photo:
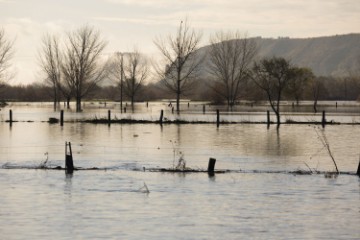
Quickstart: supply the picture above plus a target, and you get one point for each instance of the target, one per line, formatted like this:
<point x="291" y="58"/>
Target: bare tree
<point x="50" y="62"/>
<point x="354" y="77"/>
<point x="180" y="60"/>
<point x="82" y="68"/>
<point x="6" y="53"/>
<point x="136" y="72"/>
<point x="302" y="77"/>
<point x="316" y="89"/>
<point x="273" y="77"/>
<point x="115" y="68"/>
<point x="230" y="58"/>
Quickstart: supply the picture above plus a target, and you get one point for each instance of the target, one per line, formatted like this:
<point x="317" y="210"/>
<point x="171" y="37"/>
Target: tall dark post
<point x="268" y="117"/>
<point x="358" y="171"/>
<point x="62" y="118"/>
<point x="204" y="110"/>
<point x="161" y="116"/>
<point x="10" y="117"/>
<point x="217" y="117"/>
<point x="124" y="109"/>
<point x="147" y="104"/>
<point x="109" y="117"/>
<point x="211" y="165"/>
<point x="323" y="120"/>
<point x="69" y="164"/>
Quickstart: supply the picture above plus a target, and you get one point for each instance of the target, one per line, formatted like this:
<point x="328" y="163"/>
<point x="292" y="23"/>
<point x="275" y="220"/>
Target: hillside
<point x="326" y="56"/>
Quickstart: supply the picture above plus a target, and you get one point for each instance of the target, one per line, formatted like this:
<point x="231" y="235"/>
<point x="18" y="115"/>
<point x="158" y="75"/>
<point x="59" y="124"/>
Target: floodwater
<point x="259" y="199"/>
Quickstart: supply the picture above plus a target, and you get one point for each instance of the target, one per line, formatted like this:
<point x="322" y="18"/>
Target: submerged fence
<point x="216" y="117"/>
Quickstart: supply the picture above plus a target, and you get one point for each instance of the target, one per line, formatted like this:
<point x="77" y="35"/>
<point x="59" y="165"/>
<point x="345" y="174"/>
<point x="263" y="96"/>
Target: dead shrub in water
<point x="322" y="137"/>
<point x="44" y="163"/>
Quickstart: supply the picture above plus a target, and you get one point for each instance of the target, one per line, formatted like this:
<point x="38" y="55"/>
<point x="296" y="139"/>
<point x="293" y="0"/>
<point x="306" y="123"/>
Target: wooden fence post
<point x="109" y="117"/>
<point x="204" y="110"/>
<point x="62" y="118"/>
<point x="69" y="164"/>
<point x="161" y="116"/>
<point x="10" y="117"/>
<point x="268" y="117"/>
<point x="323" y="120"/>
<point x="211" y="165"/>
<point x="217" y="118"/>
<point x="358" y="170"/>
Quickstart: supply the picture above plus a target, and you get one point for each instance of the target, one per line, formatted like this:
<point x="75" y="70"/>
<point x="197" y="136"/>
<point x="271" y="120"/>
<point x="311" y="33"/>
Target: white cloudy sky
<point x="128" y="23"/>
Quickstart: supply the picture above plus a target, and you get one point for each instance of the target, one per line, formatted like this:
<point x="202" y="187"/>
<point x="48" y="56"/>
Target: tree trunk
<point x="177" y="103"/>
<point x="78" y="104"/>
<point x="132" y="103"/>
<point x="277" y="117"/>
<point x="68" y="102"/>
<point x="55" y="98"/>
<point x="55" y="103"/>
<point x="315" y="106"/>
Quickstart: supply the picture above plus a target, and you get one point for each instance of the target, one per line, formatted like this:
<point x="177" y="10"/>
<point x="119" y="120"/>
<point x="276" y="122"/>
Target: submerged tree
<point x="115" y="68"/>
<point x="82" y="67"/>
<point x="302" y="77"/>
<point x="51" y="64"/>
<point x="180" y="60"/>
<point x="6" y="53"/>
<point x="230" y="58"/>
<point x="136" y="72"/>
<point x="273" y="76"/>
<point x="317" y="88"/>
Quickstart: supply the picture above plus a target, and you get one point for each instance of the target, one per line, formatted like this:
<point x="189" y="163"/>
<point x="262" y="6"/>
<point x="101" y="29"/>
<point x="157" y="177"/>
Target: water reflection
<point x="211" y="176"/>
<point x="68" y="184"/>
<point x="246" y="145"/>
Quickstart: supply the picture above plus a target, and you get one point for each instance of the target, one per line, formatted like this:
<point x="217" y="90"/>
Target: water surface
<point x="111" y="203"/>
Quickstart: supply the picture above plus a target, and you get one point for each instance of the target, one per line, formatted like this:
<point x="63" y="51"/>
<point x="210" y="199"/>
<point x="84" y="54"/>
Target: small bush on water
<point x="53" y="120"/>
<point x="44" y="163"/>
<point x="144" y="189"/>
<point x="181" y="162"/>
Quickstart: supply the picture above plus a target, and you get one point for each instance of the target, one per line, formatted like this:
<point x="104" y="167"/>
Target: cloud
<point x="144" y="20"/>
<point x="271" y="17"/>
<point x="156" y="3"/>
<point x="27" y="35"/>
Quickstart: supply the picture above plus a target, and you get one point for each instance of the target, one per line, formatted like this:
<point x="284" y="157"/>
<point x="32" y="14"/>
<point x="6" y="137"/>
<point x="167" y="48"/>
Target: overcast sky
<point x="128" y="23"/>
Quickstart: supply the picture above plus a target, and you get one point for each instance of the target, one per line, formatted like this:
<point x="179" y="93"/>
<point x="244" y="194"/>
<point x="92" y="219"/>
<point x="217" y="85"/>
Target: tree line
<point x="74" y="68"/>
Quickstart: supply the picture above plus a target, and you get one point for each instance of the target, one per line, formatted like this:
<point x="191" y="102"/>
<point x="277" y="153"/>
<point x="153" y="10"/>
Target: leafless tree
<point x="136" y="72"/>
<point x="273" y="76"/>
<point x="231" y="56"/>
<point x="316" y="89"/>
<point x="50" y="63"/>
<point x="115" y="68"/>
<point x="82" y="68"/>
<point x="302" y="77"/>
<point x="180" y="60"/>
<point x="354" y="77"/>
<point x="6" y="53"/>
